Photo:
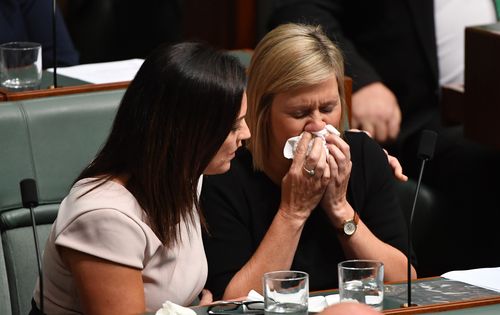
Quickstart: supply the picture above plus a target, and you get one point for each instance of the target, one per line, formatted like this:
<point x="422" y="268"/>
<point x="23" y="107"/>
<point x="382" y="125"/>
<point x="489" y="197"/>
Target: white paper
<point x="104" y="72"/>
<point x="488" y="278"/>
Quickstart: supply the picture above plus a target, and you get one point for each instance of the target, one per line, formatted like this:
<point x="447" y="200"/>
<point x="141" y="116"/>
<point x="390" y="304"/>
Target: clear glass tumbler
<point x="20" y="66"/>
<point x="286" y="292"/>
<point x="362" y="281"/>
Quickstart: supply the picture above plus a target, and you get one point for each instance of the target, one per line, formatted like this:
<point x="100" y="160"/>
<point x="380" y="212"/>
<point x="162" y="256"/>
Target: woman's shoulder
<point x="368" y="158"/>
<point x="98" y="196"/>
<point x="94" y="192"/>
<point x="362" y="145"/>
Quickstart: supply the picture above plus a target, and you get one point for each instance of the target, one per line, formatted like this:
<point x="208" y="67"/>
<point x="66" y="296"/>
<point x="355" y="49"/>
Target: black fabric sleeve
<point x="380" y="209"/>
<point x="36" y="15"/>
<point x="328" y="14"/>
<point x="228" y="243"/>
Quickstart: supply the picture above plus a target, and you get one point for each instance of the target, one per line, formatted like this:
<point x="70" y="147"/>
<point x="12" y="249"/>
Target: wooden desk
<point x="482" y="84"/>
<point x="468" y="298"/>
<point x="478" y="310"/>
<point x="477" y="104"/>
<point x="486" y="305"/>
<point x="479" y="306"/>
<point x="68" y="86"/>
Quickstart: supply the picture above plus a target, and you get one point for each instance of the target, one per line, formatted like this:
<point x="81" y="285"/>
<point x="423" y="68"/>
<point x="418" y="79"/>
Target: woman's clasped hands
<point x="316" y="176"/>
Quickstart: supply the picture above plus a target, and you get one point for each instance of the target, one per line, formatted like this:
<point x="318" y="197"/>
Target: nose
<point x="316" y="123"/>
<point x="245" y="131"/>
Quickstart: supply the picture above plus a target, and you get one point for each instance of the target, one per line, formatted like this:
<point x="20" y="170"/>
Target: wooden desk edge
<point x="16" y="96"/>
<point x="435" y="307"/>
<point x="444" y="306"/>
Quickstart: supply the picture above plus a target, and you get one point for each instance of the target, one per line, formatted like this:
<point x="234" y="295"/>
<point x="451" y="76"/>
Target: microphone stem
<point x="410" y="229"/>
<point x="38" y="258"/>
<point x="54" y="42"/>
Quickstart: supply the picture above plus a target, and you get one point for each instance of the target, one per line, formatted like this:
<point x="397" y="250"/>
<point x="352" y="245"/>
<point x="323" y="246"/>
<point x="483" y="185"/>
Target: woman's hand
<point x="396" y="167"/>
<point x="206" y="297"/>
<point x="301" y="190"/>
<point x="304" y="185"/>
<point x="334" y="201"/>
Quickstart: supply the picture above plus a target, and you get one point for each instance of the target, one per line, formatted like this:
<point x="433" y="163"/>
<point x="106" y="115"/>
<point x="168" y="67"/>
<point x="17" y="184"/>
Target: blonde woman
<point x="324" y="206"/>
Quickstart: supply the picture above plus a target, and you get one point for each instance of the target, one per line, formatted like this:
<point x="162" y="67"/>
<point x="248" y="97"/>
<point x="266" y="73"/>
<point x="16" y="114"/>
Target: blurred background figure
<point x="31" y="21"/>
<point x="108" y="30"/>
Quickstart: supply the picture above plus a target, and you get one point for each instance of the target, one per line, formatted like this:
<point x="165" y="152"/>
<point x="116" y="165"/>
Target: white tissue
<point x="316" y="304"/>
<point x="254" y="296"/>
<point x="291" y="144"/>
<point x="170" y="308"/>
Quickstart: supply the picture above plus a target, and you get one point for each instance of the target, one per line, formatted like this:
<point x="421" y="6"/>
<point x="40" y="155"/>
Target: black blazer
<point x="392" y="41"/>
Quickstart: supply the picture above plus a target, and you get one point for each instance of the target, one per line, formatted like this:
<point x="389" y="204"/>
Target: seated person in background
<point x="269" y="213"/>
<point x="31" y="21"/>
<point x="123" y="29"/>
<point x="127" y="237"/>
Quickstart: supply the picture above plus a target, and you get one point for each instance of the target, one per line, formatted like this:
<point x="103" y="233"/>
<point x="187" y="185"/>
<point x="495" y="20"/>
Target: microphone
<point x="54" y="42"/>
<point x="425" y="153"/>
<point x="29" y="198"/>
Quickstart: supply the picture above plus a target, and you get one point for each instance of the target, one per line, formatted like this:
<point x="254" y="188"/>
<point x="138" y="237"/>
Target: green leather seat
<point x="50" y="140"/>
<point x="5" y="307"/>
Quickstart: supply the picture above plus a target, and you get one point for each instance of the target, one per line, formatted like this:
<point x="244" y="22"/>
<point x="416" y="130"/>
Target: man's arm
<point x="328" y="14"/>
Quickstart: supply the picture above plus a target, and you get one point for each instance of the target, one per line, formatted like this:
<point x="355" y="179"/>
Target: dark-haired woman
<point x="128" y="236"/>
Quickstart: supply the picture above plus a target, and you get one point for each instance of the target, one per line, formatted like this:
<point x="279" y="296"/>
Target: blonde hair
<point x="289" y="57"/>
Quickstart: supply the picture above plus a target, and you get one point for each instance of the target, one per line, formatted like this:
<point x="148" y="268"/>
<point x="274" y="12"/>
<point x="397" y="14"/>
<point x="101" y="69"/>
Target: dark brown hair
<point x="172" y="120"/>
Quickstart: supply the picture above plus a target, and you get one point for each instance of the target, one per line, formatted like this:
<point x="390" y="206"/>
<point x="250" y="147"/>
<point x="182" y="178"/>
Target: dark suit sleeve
<point x="375" y="189"/>
<point x="329" y="14"/>
<point x="228" y="243"/>
<point x="37" y="16"/>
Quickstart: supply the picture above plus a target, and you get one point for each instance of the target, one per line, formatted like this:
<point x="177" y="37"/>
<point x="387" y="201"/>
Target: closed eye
<point x="327" y="109"/>
<point x="299" y="114"/>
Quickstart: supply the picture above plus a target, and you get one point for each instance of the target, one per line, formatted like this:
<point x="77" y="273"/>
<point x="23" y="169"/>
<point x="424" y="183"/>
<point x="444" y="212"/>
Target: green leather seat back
<point x="50" y="140"/>
<point x="5" y="307"/>
<point x="20" y="255"/>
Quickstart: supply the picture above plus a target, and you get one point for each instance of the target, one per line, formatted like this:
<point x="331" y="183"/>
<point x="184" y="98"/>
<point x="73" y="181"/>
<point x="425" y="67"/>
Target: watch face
<point x="349" y="228"/>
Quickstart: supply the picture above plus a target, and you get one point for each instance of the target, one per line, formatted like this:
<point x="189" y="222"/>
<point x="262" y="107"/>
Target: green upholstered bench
<point x="51" y="140"/>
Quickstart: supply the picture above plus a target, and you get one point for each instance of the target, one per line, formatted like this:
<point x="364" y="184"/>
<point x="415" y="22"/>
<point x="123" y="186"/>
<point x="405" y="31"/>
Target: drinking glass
<point x="286" y="292"/>
<point x="362" y="281"/>
<point x="20" y="66"/>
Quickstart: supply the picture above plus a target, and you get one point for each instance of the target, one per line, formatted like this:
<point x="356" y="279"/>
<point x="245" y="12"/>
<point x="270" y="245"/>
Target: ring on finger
<point x="308" y="171"/>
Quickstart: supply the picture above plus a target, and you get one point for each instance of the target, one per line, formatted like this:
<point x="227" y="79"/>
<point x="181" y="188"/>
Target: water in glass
<point x="364" y="291"/>
<point x="286" y="308"/>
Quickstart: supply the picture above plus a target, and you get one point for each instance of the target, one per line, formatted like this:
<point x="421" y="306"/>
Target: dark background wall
<point x="106" y="30"/>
